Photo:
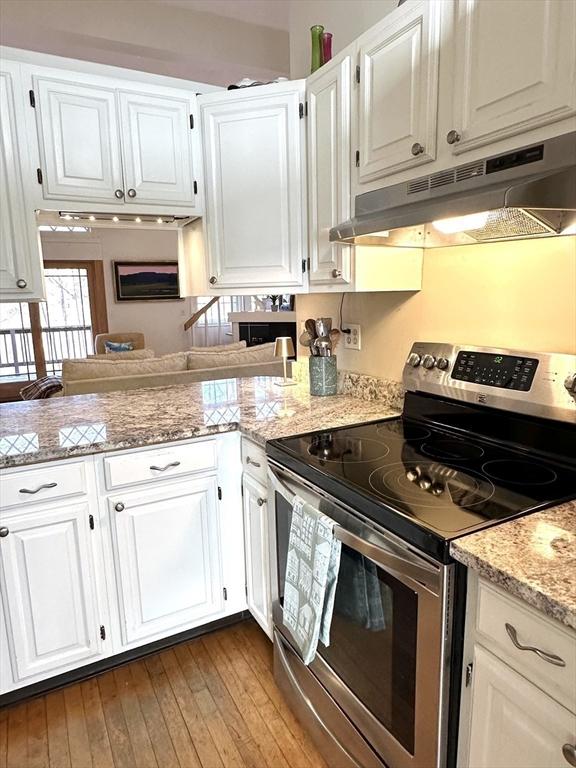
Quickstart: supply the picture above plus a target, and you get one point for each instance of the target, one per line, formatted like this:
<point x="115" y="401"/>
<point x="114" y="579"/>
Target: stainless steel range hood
<point x="527" y="193"/>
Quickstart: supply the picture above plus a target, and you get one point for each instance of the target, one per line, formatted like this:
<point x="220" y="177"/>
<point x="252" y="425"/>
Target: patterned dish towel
<point x="311" y="575"/>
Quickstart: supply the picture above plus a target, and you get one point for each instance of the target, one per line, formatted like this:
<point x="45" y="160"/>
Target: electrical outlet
<point x="353" y="339"/>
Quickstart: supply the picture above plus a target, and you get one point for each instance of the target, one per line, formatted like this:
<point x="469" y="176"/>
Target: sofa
<point x="140" y="368"/>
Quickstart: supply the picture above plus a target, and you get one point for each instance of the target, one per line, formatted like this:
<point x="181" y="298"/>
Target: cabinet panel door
<point x="253" y="154"/>
<point x="329" y="193"/>
<point x="49" y="590"/>
<point x="502" y="89"/>
<point x="79" y="141"/>
<point x="157" y="149"/>
<point x="514" y="724"/>
<point x="20" y="262"/>
<point x="256" y="547"/>
<point x="398" y="91"/>
<point x="167" y="558"/>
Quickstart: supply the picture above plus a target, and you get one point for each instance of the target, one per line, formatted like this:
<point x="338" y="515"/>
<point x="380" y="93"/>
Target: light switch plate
<point x="352" y="340"/>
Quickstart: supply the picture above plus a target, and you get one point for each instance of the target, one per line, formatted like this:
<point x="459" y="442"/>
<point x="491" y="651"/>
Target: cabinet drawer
<point x="159" y="463"/>
<point x="254" y="461"/>
<point x="44" y="483"/>
<point x="531" y="628"/>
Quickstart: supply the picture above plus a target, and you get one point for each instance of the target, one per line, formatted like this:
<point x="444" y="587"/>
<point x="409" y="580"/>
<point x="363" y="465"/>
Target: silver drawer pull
<point x="569" y="752"/>
<point x="40" y="488"/>
<point x="168" y="466"/>
<point x="551" y="658"/>
<point x="251" y="461"/>
<point x="260" y="501"/>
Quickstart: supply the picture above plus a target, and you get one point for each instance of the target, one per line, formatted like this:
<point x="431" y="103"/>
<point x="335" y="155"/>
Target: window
<point x="36" y="337"/>
<point x="213" y="327"/>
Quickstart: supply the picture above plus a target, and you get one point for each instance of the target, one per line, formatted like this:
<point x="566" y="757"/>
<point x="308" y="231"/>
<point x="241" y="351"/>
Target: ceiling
<point x="266" y="13"/>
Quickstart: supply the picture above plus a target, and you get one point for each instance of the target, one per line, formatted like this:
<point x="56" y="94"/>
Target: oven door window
<point x="372" y="637"/>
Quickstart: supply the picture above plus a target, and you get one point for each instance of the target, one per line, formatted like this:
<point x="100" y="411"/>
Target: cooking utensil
<point x="324" y="346"/>
<point x="323" y="326"/>
<point x="334" y="336"/>
<point x="310" y="326"/>
<point x="305" y="339"/>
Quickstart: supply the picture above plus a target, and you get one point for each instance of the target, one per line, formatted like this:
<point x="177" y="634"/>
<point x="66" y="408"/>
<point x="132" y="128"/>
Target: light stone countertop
<point x="59" y="428"/>
<point x="533" y="558"/>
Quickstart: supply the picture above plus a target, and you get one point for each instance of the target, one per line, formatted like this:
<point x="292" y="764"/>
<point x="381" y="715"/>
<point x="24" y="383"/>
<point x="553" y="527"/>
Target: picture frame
<point x="146" y="281"/>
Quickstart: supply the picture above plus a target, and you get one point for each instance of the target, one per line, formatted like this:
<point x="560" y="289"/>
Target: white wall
<point x="162" y="322"/>
<point x="346" y="19"/>
<point x="165" y="38"/>
<point x="518" y="295"/>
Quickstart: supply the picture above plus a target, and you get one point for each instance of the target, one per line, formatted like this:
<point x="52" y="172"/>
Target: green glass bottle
<point x="316" y="32"/>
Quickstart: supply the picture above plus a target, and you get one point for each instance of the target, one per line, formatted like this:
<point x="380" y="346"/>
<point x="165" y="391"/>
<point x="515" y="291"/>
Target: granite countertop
<point x="59" y="428"/>
<point x="533" y="558"/>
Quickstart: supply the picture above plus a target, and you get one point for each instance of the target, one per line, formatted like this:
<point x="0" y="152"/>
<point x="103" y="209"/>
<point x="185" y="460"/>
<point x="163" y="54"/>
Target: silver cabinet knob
<point x="569" y="752"/>
<point x="213" y="280"/>
<point x="428" y="361"/>
<point x="4" y="532"/>
<point x="260" y="501"/>
<point x="336" y="273"/>
<point x="131" y="193"/>
<point x="417" y="148"/>
<point x="119" y="507"/>
<point x="21" y="283"/>
<point x="413" y="359"/>
<point x="119" y="193"/>
<point x="453" y="137"/>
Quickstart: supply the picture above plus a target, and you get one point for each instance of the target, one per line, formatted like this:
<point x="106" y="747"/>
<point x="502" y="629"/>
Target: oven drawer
<point x="159" y="464"/>
<point x="505" y="622"/>
<point x="254" y="461"/>
<point x="44" y="483"/>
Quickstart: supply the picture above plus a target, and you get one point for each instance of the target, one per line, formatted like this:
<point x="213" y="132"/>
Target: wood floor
<point x="208" y="703"/>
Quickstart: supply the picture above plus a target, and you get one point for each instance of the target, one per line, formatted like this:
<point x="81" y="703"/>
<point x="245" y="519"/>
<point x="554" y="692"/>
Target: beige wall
<point x="519" y="295"/>
<point x="346" y="19"/>
<point x="161" y="321"/>
<point x="150" y="36"/>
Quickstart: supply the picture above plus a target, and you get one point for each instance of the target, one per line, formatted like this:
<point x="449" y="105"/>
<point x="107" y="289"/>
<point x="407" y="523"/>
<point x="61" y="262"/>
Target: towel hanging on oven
<point x="311" y="575"/>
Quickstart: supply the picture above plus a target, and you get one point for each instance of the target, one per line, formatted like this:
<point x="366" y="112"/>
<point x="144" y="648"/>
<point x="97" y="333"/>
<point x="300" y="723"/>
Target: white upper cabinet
<point x="79" y="141"/>
<point x="329" y="101"/>
<point x="398" y="91"/>
<point x="103" y="143"/>
<point x="158" y="165"/>
<point x="514" y="69"/>
<point x="20" y="251"/>
<point x="49" y="591"/>
<point x="254" y="150"/>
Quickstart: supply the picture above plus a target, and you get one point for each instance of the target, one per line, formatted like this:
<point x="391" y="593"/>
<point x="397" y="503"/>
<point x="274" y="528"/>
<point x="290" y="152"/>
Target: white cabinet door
<point x="48" y="590"/>
<point x="328" y="95"/>
<point x="20" y="251"/>
<point x="502" y="88"/>
<point x="255" y="191"/>
<point x="514" y="724"/>
<point x="256" y="547"/>
<point x="79" y="141"/>
<point x="398" y="106"/>
<point x="166" y="552"/>
<point x="156" y="134"/>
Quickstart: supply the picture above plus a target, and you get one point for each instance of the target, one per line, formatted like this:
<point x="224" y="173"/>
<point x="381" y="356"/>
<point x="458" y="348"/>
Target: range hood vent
<point x="530" y="192"/>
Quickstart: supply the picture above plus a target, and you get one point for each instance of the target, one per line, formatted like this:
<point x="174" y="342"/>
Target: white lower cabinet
<point x="256" y="543"/>
<point x="166" y="547"/>
<point x="48" y="591"/>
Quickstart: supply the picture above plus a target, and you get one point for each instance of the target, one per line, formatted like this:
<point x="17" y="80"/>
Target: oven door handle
<point x="422" y="573"/>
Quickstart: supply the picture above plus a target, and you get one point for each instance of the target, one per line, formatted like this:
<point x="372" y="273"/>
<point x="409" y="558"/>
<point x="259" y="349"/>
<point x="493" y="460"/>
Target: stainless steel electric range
<point x="486" y="435"/>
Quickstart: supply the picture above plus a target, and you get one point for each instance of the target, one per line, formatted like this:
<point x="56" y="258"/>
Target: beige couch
<point x="111" y="373"/>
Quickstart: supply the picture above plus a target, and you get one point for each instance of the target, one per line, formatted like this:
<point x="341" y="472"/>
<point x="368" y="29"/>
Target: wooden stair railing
<point x="198" y="314"/>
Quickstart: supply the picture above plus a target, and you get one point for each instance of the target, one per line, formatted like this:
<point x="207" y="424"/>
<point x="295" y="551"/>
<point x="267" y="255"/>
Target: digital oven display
<point x="505" y="371"/>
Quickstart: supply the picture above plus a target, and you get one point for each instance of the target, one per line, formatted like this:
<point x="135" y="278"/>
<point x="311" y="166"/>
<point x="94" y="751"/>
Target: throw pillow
<point x="263" y="353"/>
<point x="118" y="346"/>
<point x="41" y="388"/>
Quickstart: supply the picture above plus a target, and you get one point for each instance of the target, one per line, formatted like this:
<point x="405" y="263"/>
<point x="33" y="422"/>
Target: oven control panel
<point x="508" y="371"/>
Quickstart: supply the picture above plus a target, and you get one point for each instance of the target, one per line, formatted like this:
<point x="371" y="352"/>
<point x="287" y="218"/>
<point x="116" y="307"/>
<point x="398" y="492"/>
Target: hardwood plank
<point x="258" y="727"/>
<point x="58" y="749"/>
<point x="78" y="741"/>
<point x="3" y="737"/>
<point x="115" y="722"/>
<point x="155" y="723"/>
<point x="96" y="725"/>
<point x="37" y="733"/>
<point x="141" y="744"/>
<point x="17" y="756"/>
<point x="176" y="724"/>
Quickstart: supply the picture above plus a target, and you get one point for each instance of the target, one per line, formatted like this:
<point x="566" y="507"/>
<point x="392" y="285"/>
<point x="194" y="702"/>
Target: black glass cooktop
<point x="438" y="480"/>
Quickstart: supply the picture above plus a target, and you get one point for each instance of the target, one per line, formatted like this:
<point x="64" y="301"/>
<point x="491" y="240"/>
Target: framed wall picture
<point x="146" y="280"/>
